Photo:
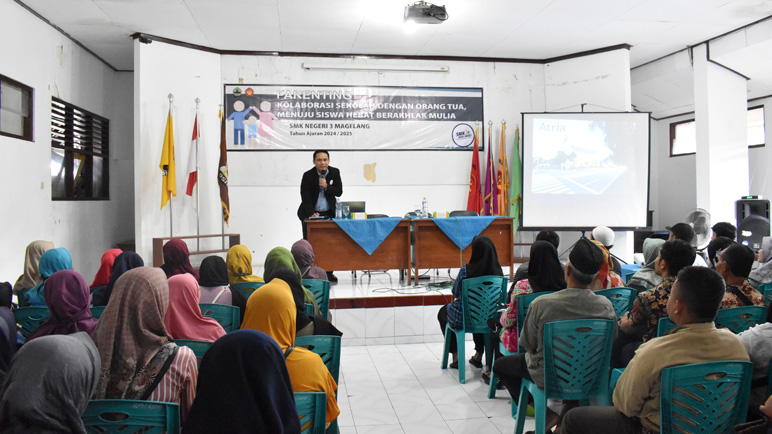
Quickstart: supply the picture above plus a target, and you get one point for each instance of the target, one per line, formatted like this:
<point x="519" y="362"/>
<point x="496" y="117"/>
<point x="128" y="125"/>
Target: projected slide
<point x="585" y="169"/>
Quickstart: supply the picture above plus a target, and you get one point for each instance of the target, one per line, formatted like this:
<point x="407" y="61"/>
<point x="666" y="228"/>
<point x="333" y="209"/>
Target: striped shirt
<point x="179" y="383"/>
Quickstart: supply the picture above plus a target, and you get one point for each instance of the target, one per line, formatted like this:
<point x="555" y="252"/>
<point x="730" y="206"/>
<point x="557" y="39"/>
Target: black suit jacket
<point x="309" y="191"/>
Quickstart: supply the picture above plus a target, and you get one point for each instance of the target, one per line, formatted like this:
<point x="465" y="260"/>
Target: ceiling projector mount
<point x="425" y="13"/>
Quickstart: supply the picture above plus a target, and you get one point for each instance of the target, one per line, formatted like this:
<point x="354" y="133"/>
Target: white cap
<point x="604" y="235"/>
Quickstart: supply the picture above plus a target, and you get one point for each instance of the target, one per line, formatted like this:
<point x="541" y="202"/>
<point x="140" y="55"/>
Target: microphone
<point x="322" y="175"/>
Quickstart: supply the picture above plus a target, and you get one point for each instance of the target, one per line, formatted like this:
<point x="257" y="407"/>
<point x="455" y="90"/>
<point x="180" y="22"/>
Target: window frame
<point x="93" y="141"/>
<point x="29" y="126"/>
<point x="673" y="126"/>
<point x="764" y="114"/>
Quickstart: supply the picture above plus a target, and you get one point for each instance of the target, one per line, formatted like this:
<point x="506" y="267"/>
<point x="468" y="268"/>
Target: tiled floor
<point x="401" y="389"/>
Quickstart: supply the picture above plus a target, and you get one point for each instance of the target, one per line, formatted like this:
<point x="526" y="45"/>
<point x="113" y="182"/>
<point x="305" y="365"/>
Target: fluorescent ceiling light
<point x="366" y="67"/>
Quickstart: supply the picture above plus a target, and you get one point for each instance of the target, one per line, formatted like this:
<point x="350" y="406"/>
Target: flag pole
<point x="171" y="209"/>
<point x="222" y="216"/>
<point x="198" y="204"/>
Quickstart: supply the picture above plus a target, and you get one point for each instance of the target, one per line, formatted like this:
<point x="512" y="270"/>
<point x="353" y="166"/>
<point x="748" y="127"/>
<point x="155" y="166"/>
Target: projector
<point x="425" y="13"/>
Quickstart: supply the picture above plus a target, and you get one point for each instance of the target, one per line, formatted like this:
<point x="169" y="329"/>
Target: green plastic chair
<point x="309" y="309"/>
<point x="227" y="316"/>
<point x="482" y="297"/>
<point x="123" y="416"/>
<point x="199" y="347"/>
<point x="766" y="290"/>
<point x="97" y="311"/>
<point x="664" y="325"/>
<point x="628" y="276"/>
<point x="493" y="380"/>
<point x="612" y="382"/>
<point x="246" y="288"/>
<point x="29" y="318"/>
<point x="739" y="319"/>
<point x="621" y="298"/>
<point x="312" y="409"/>
<point x="577" y="354"/>
<point x="327" y="347"/>
<point x="704" y="397"/>
<point x="321" y="291"/>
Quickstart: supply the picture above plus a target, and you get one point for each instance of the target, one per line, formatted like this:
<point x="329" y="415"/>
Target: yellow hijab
<point x="271" y="310"/>
<point x="239" y="262"/>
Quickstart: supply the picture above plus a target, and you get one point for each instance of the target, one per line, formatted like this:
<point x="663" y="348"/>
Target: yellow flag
<point x="169" y="183"/>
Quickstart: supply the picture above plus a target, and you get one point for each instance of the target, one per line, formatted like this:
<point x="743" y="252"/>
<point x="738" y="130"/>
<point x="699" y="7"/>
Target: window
<point x="683" y="135"/>
<point x="15" y="109"/>
<point x="79" y="153"/>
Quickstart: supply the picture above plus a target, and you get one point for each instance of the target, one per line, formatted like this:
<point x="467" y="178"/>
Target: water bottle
<point x="424" y="208"/>
<point x="338" y="211"/>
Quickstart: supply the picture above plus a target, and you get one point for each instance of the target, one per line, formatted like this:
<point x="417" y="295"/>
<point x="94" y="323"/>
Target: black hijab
<point x="7" y="340"/>
<point x="484" y="260"/>
<point x="213" y="272"/>
<point x="243" y="386"/>
<point x="544" y="270"/>
<point x="296" y="285"/>
<point x="123" y="263"/>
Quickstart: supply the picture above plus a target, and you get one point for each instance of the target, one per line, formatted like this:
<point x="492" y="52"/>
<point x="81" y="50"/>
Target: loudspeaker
<point x="752" y="221"/>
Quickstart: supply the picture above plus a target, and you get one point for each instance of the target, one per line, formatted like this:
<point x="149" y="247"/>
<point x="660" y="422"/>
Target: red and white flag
<point x="192" y="161"/>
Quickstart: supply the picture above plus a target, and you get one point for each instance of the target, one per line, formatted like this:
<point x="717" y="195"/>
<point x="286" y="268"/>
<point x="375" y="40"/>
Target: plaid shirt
<point x="650" y="306"/>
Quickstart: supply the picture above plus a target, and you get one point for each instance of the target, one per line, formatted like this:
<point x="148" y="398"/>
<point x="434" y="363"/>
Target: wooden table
<point x="433" y="249"/>
<point x="334" y="250"/>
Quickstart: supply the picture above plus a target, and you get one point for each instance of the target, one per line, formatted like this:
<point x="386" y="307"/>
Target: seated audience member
<point x="305" y="325"/>
<point x="646" y="278"/>
<point x="6" y="295"/>
<point x="239" y="261"/>
<point x="50" y="262"/>
<point x="68" y="299"/>
<point x="606" y="278"/>
<point x="244" y="376"/>
<point x="177" y="259"/>
<point x="304" y="256"/>
<point x="102" y="277"/>
<point x="640" y="325"/>
<point x="758" y="344"/>
<point x="552" y="237"/>
<point x="684" y="231"/>
<point x="734" y="265"/>
<point x="577" y="301"/>
<point x="272" y="310"/>
<point x="31" y="276"/>
<point x="483" y="262"/>
<point x="279" y="257"/>
<point x="124" y="262"/>
<point x="183" y="318"/>
<point x="692" y="306"/>
<point x="606" y="237"/>
<point x="724" y="229"/>
<point x="7" y="340"/>
<point x="49" y="385"/>
<point x="213" y="281"/>
<point x="714" y="247"/>
<point x="139" y="358"/>
<point x="763" y="273"/>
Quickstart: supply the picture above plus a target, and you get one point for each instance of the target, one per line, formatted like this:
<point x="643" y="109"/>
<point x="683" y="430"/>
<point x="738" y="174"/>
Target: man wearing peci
<point x="318" y="191"/>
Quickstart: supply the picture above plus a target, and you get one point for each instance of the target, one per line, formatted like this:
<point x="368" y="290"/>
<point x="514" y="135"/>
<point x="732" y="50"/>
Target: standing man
<point x="318" y="191"/>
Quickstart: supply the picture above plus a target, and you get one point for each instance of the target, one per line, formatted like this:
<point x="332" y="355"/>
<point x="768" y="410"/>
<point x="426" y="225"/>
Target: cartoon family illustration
<point x="255" y="129"/>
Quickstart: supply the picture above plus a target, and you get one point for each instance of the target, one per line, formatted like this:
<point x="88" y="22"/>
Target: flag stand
<point x="222" y="219"/>
<point x="171" y="209"/>
<point x="198" y="204"/>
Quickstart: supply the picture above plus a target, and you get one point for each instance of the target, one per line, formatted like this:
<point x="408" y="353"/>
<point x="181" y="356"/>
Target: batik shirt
<point x="650" y="306"/>
<point x="731" y="300"/>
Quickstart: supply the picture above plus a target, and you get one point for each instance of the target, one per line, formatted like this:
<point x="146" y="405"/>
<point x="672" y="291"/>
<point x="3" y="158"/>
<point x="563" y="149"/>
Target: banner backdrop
<point x="263" y="117"/>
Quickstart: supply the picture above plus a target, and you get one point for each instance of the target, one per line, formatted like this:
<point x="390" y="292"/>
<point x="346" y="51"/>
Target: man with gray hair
<point x="577" y="301"/>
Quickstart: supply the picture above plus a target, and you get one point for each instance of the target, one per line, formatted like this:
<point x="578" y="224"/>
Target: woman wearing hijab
<point x="183" y="318"/>
<point x="304" y="257"/>
<point x="177" y="259"/>
<point x="244" y="376"/>
<point x="50" y="262"/>
<point x="67" y="297"/>
<point x="272" y="311"/>
<point x="102" y="276"/>
<point x="305" y="325"/>
<point x="139" y="358"/>
<point x="213" y="281"/>
<point x="123" y="263"/>
<point x="49" y="385"/>
<point x="31" y="276"/>
<point x="606" y="278"/>
<point x="645" y="278"/>
<point x="484" y="262"/>
<point x="239" y="261"/>
<point x="279" y="257"/>
<point x="763" y="274"/>
<point x="7" y="340"/>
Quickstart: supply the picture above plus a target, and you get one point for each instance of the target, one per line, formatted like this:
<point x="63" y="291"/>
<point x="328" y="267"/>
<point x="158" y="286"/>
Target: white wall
<point x="51" y="64"/>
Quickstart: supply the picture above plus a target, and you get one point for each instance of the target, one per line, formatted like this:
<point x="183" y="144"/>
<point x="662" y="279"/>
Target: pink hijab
<point x="183" y="319"/>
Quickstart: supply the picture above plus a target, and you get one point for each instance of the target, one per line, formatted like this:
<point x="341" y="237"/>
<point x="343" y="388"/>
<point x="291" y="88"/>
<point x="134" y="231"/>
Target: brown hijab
<point x="31" y="276"/>
<point x="131" y="336"/>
